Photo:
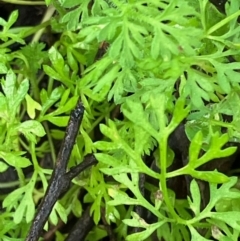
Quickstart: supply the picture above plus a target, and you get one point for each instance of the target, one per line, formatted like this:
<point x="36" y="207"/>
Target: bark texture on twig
<point x="82" y="227"/>
<point x="60" y="180"/>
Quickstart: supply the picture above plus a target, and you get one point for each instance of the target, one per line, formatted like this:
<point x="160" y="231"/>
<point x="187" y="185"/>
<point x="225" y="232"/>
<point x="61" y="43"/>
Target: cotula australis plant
<point x="141" y="69"/>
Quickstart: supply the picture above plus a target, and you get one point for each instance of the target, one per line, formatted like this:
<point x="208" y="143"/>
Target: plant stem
<point x="163" y="176"/>
<point x="34" y="158"/>
<point x="53" y="154"/>
<point x="17" y="183"/>
<point x="203" y="5"/>
<point x="19" y="2"/>
<point x="223" y="22"/>
<point x="163" y="144"/>
<point x="20" y="176"/>
<point x="26" y="33"/>
<point x="49" y="13"/>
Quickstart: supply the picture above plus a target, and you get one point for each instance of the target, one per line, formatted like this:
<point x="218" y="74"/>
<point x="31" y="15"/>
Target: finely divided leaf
<point x="13" y="159"/>
<point x="195" y="196"/>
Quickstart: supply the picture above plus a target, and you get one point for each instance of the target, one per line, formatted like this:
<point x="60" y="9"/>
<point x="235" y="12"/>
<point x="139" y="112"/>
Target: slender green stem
<point x="82" y="68"/>
<point x="34" y="85"/>
<point x="221" y="123"/>
<point x="49" y="13"/>
<point x="50" y="86"/>
<point x="20" y="176"/>
<point x="19" y="2"/>
<point x="223" y="22"/>
<point x="26" y="147"/>
<point x="163" y="176"/>
<point x="203" y="12"/>
<point x="53" y="154"/>
<point x="178" y="172"/>
<point x="163" y="144"/>
<point x="99" y="119"/>
<point x="34" y="157"/>
<point x="17" y="183"/>
<point x="27" y="33"/>
<point x="58" y="7"/>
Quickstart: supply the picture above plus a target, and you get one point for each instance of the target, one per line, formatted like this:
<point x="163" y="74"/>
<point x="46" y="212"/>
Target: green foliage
<point x="158" y="63"/>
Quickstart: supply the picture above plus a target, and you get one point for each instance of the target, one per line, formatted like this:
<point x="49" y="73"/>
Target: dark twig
<point x="82" y="227"/>
<point x="60" y="180"/>
<point x="108" y="228"/>
<point x="89" y="160"/>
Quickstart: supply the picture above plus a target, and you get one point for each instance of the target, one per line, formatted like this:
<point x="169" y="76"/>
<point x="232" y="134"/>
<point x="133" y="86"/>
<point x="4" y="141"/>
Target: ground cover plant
<point x="149" y="93"/>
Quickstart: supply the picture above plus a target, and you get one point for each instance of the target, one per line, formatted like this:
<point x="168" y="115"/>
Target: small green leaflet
<point x="30" y="129"/>
<point x="13" y="94"/>
<point x="34" y="54"/>
<point x="14" y="159"/>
